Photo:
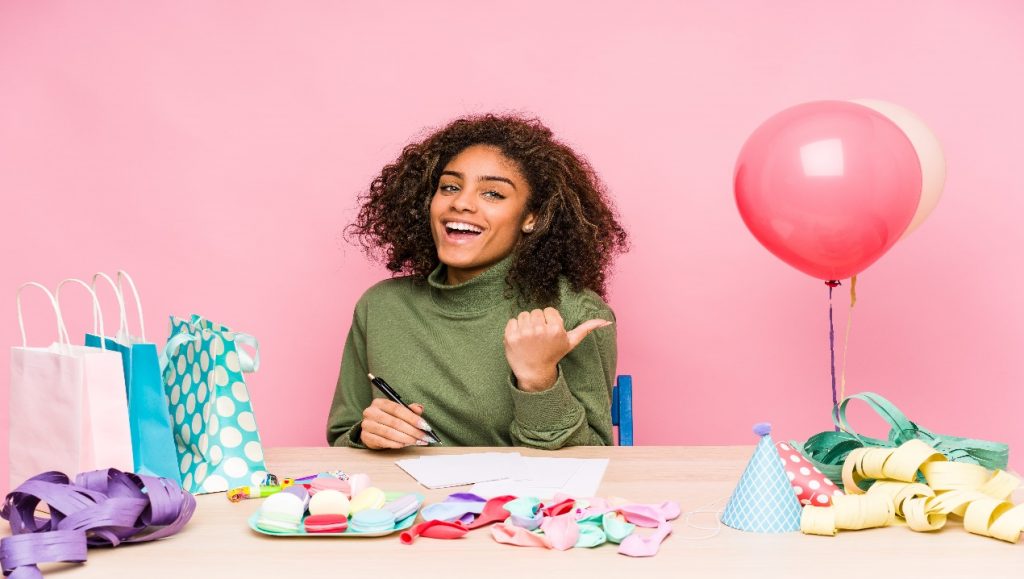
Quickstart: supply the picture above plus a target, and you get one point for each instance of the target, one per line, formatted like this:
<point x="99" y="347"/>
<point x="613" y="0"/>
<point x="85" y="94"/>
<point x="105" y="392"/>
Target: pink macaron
<point x="329" y="483"/>
<point x="326" y="523"/>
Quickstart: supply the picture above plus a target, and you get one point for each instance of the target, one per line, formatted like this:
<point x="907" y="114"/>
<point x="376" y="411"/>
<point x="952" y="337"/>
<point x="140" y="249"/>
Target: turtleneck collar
<point x="479" y="294"/>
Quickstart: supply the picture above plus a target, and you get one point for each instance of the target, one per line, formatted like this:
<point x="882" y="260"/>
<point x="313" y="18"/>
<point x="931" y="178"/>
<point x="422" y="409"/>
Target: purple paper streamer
<point x="101" y="508"/>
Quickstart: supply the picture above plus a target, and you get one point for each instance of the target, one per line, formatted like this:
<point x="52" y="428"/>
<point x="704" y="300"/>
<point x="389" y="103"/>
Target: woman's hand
<point x="536" y="341"/>
<point x="388" y="424"/>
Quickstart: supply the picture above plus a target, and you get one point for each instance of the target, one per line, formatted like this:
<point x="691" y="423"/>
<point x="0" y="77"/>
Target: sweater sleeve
<point x="344" y="423"/>
<point x="576" y="411"/>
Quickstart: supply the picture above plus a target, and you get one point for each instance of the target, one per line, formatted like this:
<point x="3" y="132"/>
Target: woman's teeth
<point x="462" y="228"/>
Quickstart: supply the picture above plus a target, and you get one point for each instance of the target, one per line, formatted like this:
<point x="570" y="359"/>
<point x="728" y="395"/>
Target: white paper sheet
<point x="584" y="482"/>
<point x="452" y="470"/>
<point x="547" y="472"/>
<point x="508" y="473"/>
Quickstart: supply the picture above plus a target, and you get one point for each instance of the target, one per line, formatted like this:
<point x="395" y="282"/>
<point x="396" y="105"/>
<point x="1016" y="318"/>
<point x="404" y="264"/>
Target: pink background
<point x="215" y="150"/>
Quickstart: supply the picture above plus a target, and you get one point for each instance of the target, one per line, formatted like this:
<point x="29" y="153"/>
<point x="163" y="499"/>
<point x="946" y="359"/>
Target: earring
<point x="528" y="229"/>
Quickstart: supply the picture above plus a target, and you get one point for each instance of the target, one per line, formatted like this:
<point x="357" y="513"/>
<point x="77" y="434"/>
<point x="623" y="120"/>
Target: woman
<point x="497" y="329"/>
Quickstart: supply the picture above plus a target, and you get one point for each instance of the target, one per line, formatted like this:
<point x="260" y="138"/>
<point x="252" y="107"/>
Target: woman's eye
<point x="493" y="194"/>
<point x="448" y="188"/>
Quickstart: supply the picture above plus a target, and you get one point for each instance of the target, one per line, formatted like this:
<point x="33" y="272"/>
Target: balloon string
<point x="846" y="340"/>
<point x="832" y="350"/>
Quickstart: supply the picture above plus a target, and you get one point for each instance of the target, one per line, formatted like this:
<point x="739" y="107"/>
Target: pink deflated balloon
<point x="828" y="186"/>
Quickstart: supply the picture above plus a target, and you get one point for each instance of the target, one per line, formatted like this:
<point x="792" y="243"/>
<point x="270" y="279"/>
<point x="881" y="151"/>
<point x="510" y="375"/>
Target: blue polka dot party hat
<point x="764" y="500"/>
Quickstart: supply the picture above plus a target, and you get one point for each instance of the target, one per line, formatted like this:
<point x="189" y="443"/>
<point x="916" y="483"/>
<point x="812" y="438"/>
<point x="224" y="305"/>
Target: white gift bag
<point x="68" y="408"/>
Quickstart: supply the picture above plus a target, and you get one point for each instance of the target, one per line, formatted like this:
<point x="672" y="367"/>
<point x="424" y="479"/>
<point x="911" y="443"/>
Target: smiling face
<point x="478" y="212"/>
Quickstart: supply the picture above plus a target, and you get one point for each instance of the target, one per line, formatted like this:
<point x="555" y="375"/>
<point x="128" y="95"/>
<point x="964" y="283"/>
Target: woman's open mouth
<point x="460" y="231"/>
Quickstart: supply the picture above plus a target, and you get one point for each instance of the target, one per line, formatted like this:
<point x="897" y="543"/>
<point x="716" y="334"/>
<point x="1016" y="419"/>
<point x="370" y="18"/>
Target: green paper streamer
<point x="828" y="450"/>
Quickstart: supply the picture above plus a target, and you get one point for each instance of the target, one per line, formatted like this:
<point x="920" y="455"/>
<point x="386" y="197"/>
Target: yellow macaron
<point x="368" y="498"/>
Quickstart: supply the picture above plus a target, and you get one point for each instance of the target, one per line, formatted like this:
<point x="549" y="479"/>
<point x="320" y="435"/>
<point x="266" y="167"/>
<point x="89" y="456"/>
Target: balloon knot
<point x="833" y="283"/>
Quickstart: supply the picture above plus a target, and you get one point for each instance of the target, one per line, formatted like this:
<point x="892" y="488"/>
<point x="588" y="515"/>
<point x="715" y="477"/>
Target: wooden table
<point x="218" y="543"/>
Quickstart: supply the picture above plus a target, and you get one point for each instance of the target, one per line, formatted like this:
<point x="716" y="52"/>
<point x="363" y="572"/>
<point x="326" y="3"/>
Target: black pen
<point x="394" y="397"/>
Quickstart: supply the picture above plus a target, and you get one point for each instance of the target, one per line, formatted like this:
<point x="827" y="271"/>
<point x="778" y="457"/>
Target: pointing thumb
<point x="581" y="331"/>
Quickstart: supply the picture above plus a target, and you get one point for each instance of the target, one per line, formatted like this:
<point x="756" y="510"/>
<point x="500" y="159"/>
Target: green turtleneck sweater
<point x="442" y="346"/>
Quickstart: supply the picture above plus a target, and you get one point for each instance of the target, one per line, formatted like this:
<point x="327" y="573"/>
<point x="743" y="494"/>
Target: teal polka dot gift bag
<point x="204" y="366"/>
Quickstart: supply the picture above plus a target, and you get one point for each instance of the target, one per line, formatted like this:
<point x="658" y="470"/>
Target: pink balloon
<point x="828" y="186"/>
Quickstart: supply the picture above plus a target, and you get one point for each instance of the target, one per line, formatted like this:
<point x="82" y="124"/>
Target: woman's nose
<point x="464" y="200"/>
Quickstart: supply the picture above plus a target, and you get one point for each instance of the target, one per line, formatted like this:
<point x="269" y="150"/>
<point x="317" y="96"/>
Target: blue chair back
<point x="622" y="408"/>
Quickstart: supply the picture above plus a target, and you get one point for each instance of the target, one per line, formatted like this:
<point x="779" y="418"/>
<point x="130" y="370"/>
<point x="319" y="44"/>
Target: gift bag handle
<point x="173" y="343"/>
<point x="97" y="320"/>
<point x="53" y="304"/>
<point x="117" y="295"/>
<point x="248" y="363"/>
<point x="123" y="334"/>
<point x="123" y="276"/>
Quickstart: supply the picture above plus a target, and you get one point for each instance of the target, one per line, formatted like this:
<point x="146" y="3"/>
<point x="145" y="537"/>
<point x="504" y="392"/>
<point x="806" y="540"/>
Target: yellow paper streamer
<point x="978" y="495"/>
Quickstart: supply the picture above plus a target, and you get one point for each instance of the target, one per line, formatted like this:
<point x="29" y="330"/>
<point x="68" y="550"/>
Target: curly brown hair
<point x="576" y="233"/>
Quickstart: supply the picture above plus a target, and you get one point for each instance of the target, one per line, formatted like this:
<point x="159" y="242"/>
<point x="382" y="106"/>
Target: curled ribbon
<point x="101" y="508"/>
<point x="829" y="450"/>
<point x="978" y="495"/>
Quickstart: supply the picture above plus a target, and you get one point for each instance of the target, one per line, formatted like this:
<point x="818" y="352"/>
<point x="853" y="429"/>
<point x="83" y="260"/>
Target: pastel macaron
<point x="327" y="523"/>
<point x="329" y="502"/>
<point x="299" y="491"/>
<point x="372" y="521"/>
<point x="329" y="483"/>
<point x="403" y="506"/>
<point x="281" y="512"/>
<point x="368" y="498"/>
<point x="357" y="483"/>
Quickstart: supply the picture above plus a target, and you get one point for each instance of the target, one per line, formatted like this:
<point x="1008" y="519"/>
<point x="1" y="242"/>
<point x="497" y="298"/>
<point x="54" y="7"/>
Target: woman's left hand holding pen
<point x="388" y="424"/>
